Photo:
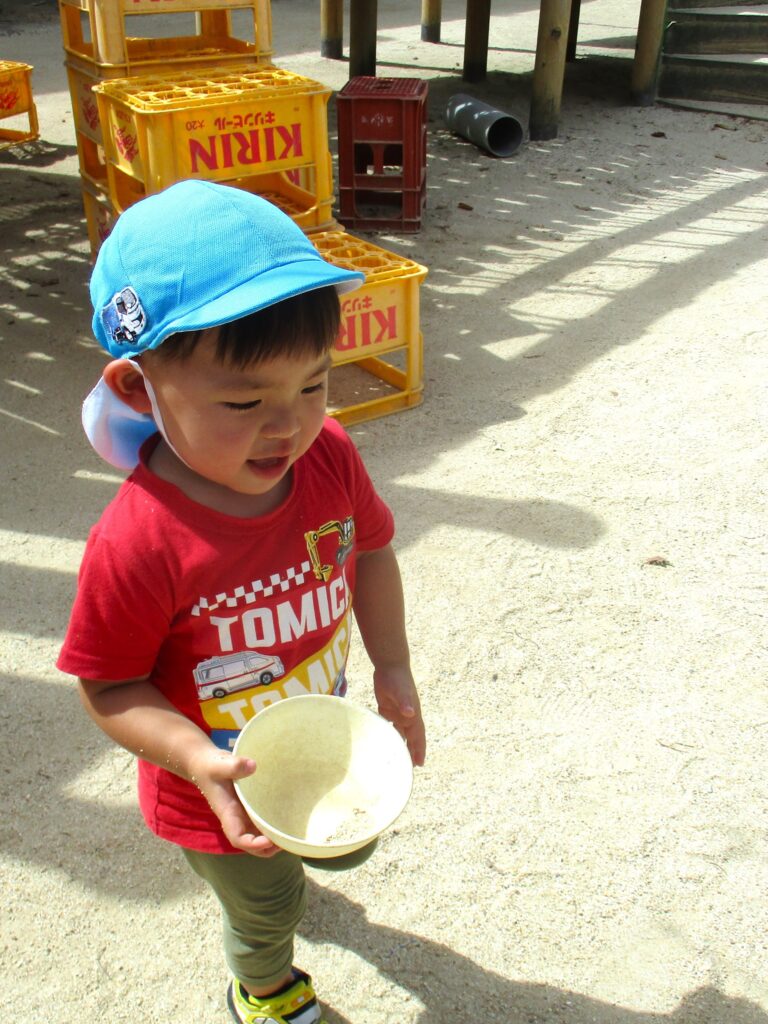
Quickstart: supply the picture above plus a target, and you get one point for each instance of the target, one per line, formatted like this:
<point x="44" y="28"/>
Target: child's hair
<point x="303" y="325"/>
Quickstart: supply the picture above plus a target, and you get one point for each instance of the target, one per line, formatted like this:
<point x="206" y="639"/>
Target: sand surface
<point x="582" y="531"/>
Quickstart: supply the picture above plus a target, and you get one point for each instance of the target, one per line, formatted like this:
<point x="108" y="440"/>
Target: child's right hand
<point x="140" y="718"/>
<point x="214" y="772"/>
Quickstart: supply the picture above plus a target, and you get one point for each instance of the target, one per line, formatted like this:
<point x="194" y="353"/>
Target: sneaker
<point x="295" y="1003"/>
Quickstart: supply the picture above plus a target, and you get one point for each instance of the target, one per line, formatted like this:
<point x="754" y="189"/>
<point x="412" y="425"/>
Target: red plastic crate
<point x="382" y="128"/>
<point x="375" y="210"/>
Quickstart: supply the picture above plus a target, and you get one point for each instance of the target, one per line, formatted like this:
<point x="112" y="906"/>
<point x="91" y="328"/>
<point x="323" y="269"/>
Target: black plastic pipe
<point x="498" y="133"/>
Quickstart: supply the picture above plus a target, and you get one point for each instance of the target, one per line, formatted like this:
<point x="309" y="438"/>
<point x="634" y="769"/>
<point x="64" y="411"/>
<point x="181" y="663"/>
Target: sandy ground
<point x="581" y="509"/>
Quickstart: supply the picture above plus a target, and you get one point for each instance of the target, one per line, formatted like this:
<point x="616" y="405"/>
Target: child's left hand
<point x="398" y="702"/>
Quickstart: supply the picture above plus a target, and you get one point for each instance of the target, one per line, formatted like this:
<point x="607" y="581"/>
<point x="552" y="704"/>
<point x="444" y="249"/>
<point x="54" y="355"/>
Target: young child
<point x="222" y="576"/>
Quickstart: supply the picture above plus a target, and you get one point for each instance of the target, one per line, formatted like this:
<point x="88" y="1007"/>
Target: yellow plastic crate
<point x="97" y="31"/>
<point x="100" y="216"/>
<point x="380" y="317"/>
<point x="121" y="190"/>
<point x="83" y="75"/>
<point x="93" y="164"/>
<point x="16" y="100"/>
<point x="85" y="110"/>
<point x="308" y="211"/>
<point x="219" y="125"/>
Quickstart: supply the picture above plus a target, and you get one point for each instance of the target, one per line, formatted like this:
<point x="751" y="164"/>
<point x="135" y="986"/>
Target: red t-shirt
<point x="225" y="614"/>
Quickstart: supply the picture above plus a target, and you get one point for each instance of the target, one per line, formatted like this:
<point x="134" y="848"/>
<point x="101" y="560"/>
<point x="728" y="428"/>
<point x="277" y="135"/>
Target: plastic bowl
<point x="330" y="776"/>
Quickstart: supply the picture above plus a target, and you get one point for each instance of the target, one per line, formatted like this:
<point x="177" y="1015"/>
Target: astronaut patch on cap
<point x="123" y="317"/>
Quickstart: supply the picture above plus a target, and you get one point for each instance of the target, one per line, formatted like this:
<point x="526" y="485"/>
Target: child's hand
<point x="398" y="702"/>
<point x="214" y="774"/>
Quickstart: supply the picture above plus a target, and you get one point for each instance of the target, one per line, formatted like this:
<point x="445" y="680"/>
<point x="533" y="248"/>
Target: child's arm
<point x="380" y="613"/>
<point x="137" y="716"/>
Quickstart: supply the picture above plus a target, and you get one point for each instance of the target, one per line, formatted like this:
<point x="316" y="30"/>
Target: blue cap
<point x="198" y="255"/>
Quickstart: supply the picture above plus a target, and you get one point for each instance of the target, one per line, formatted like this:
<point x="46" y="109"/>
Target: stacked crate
<point x="382" y="146"/>
<point x="252" y="126"/>
<point x="101" y="43"/>
<point x="260" y="128"/>
<point x="382" y="126"/>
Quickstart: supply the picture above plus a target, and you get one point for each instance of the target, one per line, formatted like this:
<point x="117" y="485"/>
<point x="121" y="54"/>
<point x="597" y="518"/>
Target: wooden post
<point x="431" y="16"/>
<point x="332" y="29"/>
<point x="645" y="67"/>
<point x="549" y="68"/>
<point x="573" y="30"/>
<point x="362" y="37"/>
<point x="476" y="28"/>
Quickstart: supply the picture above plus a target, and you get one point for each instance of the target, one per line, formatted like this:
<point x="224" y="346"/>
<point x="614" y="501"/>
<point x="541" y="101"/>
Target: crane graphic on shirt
<point x="346" y="532"/>
<point x="246" y="674"/>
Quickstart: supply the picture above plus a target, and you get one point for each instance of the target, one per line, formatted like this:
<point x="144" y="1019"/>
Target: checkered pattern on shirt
<point x="294" y="577"/>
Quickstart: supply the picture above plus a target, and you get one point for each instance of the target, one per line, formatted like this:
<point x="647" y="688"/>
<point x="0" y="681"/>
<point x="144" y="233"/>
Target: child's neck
<point x="166" y="465"/>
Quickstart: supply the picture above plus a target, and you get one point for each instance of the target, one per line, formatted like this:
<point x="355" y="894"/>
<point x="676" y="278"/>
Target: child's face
<point x="241" y="429"/>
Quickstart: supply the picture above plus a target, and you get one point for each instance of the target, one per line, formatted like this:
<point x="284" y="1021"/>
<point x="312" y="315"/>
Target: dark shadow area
<point x="100" y="843"/>
<point x="393" y="17"/>
<point x="402" y="13"/>
<point x="434" y="973"/>
<point x="626" y="42"/>
<point x="45" y="347"/>
<point x="18" y="14"/>
<point x="509" y="204"/>
<point x="37" y="153"/>
<point x="496" y="49"/>
<point x="542" y="523"/>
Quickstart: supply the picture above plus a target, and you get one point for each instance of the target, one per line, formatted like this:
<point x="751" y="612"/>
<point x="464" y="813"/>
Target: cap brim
<point x="266" y="289"/>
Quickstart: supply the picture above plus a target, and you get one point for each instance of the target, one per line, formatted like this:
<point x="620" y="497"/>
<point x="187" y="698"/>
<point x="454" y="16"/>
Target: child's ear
<point x="125" y="381"/>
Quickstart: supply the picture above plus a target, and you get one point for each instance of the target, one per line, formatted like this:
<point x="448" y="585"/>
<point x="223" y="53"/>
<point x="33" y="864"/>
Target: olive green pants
<point x="262" y="902"/>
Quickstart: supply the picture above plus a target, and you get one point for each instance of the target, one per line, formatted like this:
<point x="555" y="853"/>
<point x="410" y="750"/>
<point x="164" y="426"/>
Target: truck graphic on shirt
<point x="229" y="673"/>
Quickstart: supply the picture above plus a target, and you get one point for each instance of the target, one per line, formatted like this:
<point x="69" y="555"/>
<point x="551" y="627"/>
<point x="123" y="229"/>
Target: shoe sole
<point x="231" y="1004"/>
